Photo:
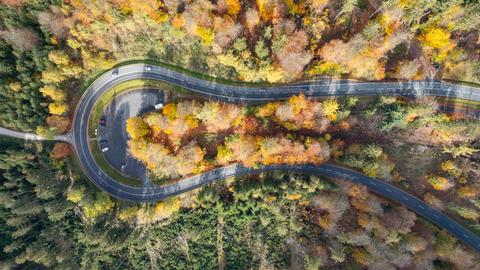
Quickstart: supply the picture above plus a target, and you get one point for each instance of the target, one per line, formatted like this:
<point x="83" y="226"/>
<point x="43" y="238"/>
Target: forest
<point x="191" y="136"/>
<point x="52" y="217"/>
<point x="411" y="143"/>
<point x="274" y="220"/>
<point x="50" y="50"/>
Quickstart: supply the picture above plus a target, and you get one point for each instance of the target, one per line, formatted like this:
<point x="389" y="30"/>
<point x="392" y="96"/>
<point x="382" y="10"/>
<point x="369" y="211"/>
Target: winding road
<point x="242" y="93"/>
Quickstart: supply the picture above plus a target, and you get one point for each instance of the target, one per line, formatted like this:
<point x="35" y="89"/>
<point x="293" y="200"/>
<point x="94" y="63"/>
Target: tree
<point x="437" y="43"/>
<point x="46" y="132"/>
<point x="348" y="6"/>
<point x="52" y="76"/>
<point x="460" y="150"/>
<point x="330" y="107"/>
<point x="101" y="204"/>
<point x="59" y="57"/>
<point x="436" y="38"/>
<point x="251" y="19"/>
<point x="60" y="151"/>
<point x="265" y="8"/>
<point x="261" y="50"/>
<point x="54" y="93"/>
<point x="58" y="108"/>
<point x="465" y="212"/>
<point x="137" y="128"/>
<point x="60" y="123"/>
<point x="54" y="21"/>
<point x="440" y="183"/>
<point x="22" y="39"/>
<point x="233" y="7"/>
<point x="372" y="151"/>
<point x="76" y="194"/>
<point x="293" y="56"/>
<point x="167" y="207"/>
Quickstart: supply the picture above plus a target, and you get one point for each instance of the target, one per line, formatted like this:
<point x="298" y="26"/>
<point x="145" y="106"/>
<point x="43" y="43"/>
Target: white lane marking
<point x="421" y="206"/>
<point x="389" y="190"/>
<point x="405" y="198"/>
<point x="435" y="215"/>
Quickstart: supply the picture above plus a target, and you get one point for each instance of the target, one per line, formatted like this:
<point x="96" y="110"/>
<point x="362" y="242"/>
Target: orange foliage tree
<point x="60" y="150"/>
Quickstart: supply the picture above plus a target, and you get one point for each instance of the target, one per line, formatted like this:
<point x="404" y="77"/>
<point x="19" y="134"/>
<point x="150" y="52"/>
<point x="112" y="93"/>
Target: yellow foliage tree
<point x="59" y="57"/>
<point x="224" y="154"/>
<point x="170" y="110"/>
<point x="330" y="108"/>
<point x="205" y="34"/>
<point x="294" y="197"/>
<point x="54" y="93"/>
<point x="326" y="68"/>
<point x="460" y="150"/>
<point x="440" y="183"/>
<point x="436" y="42"/>
<point x="268" y="109"/>
<point x="101" y="205"/>
<point x="435" y="37"/>
<point x="265" y="8"/>
<point x="52" y="75"/>
<point x="298" y="103"/>
<point x="57" y="108"/>
<point x="167" y="207"/>
<point x="128" y="213"/>
<point x="76" y="194"/>
<point x="15" y="86"/>
<point x="450" y="167"/>
<point x="468" y="192"/>
<point x="137" y="128"/>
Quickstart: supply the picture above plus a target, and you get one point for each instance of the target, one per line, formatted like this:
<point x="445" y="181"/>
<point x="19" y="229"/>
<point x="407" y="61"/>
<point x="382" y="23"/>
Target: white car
<point x="115" y="72"/>
<point x="148" y="68"/>
<point x="158" y="106"/>
<point x="104" y="145"/>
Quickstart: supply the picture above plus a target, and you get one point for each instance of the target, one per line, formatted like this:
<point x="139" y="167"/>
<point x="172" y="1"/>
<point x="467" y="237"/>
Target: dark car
<point x="103" y="122"/>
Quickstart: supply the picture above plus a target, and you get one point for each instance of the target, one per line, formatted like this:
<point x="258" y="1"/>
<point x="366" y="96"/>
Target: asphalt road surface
<point x="32" y="136"/>
<point x="123" y="106"/>
<point x="243" y="93"/>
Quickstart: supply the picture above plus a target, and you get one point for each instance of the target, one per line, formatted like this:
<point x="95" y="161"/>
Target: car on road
<point x="148" y="68"/>
<point x="123" y="166"/>
<point x="104" y="145"/>
<point x="103" y="122"/>
<point x="115" y="72"/>
<point x="158" y="106"/>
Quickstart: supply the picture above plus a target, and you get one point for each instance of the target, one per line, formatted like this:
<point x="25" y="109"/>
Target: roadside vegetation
<point x="190" y="136"/>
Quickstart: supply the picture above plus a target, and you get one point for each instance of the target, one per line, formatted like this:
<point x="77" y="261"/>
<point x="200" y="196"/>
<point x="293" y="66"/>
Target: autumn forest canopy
<point x="48" y="49"/>
<point x="53" y="217"/>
